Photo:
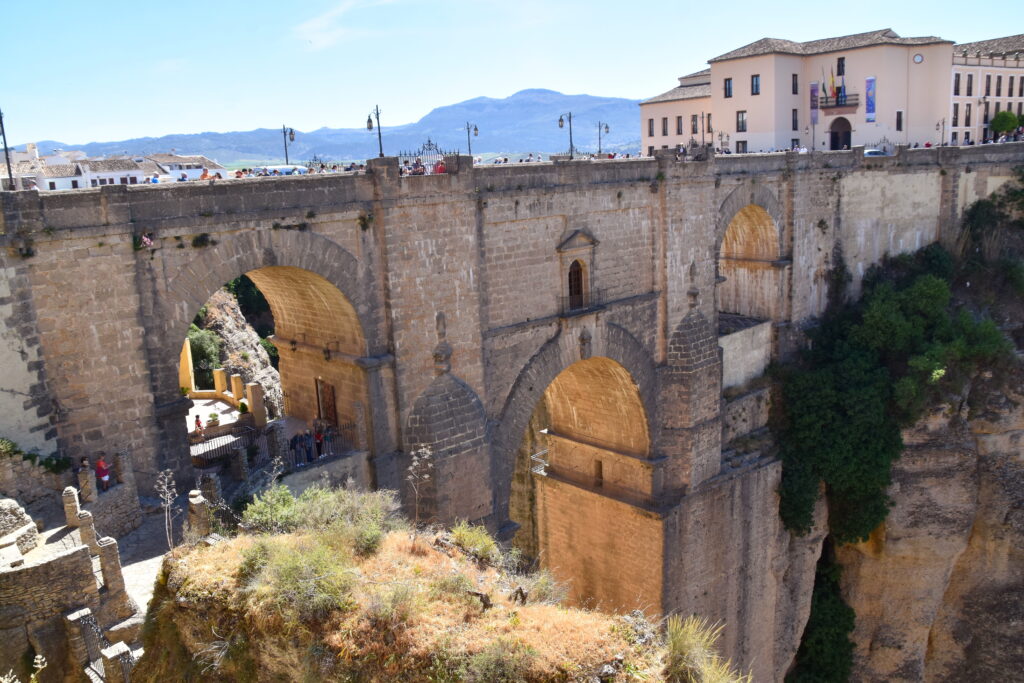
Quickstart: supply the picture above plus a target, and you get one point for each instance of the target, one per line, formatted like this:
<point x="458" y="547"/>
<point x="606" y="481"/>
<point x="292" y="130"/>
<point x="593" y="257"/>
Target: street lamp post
<point x="942" y="124"/>
<point x="471" y="127"/>
<point x="600" y="127"/>
<point x="7" y="153"/>
<point x="289" y="136"/>
<point x="375" y="114"/>
<point x="561" y="124"/>
<point x="811" y="130"/>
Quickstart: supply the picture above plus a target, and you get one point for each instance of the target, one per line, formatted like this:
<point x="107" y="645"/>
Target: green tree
<point x="1004" y="122"/>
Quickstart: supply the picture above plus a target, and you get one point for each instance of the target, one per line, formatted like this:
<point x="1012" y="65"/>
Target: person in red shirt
<point x="103" y="473"/>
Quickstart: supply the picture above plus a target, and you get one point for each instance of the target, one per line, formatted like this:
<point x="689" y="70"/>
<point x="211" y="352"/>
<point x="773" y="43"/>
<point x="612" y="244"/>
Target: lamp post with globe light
<point x="375" y="114"/>
<point x="561" y="124"/>
<point x="289" y="136"/>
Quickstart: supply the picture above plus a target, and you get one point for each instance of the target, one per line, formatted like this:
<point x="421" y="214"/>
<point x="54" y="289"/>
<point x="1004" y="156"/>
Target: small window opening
<point x="575" y="286"/>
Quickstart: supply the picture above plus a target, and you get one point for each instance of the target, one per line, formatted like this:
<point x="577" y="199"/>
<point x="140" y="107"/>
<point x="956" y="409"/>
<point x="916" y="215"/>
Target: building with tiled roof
<point x="191" y="166"/>
<point x="988" y="77"/>
<point x="873" y="89"/>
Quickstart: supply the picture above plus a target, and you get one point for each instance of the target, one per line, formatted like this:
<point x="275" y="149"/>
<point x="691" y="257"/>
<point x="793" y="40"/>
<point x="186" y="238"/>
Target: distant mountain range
<point x="521" y="123"/>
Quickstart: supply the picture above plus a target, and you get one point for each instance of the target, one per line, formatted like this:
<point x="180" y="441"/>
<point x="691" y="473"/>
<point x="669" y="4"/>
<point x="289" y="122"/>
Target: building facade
<point x="987" y="77"/>
<point x="875" y="89"/>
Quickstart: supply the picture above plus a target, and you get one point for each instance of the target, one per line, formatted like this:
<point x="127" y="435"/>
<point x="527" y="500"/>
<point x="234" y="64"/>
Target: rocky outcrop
<point x="242" y="352"/>
<point x="939" y="588"/>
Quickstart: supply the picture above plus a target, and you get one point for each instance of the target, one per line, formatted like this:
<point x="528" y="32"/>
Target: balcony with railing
<point x="581" y="302"/>
<point x="847" y="100"/>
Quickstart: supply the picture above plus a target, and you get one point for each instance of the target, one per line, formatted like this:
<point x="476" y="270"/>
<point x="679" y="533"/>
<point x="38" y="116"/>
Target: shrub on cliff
<point x="872" y="368"/>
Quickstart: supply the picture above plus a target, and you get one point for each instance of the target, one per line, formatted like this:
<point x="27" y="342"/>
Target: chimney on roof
<point x="32" y="149"/>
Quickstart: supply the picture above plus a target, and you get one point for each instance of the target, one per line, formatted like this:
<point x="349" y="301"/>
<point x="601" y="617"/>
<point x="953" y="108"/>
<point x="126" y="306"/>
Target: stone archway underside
<point x="597" y="445"/>
<point x="748" y="260"/>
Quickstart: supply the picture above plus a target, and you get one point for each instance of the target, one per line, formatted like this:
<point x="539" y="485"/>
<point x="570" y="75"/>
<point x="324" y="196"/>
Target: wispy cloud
<point x="329" y="28"/>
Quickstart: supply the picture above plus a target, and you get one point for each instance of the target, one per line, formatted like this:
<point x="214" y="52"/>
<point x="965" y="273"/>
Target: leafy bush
<point x="243" y="408"/>
<point x="205" y="346"/>
<point x="873" y="367"/>
<point x="476" y="542"/>
<point x="268" y="346"/>
<point x="250" y="299"/>
<point x="300" y="580"/>
<point x="826" y="652"/>
<point x="503" y="661"/>
<point x="392" y="606"/>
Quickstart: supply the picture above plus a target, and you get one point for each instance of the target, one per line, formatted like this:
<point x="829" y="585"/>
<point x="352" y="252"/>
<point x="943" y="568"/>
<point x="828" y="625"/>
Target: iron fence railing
<point x="850" y="100"/>
<point x="216" y="449"/>
<point x="337" y="440"/>
<point x="573" y="304"/>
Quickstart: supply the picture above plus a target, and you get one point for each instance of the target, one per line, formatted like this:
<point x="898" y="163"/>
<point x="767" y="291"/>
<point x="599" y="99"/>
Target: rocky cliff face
<point x="939" y="589"/>
<point x="242" y="352"/>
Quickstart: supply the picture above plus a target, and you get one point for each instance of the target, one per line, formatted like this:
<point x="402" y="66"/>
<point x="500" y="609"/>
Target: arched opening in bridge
<point x="317" y="384"/>
<point x="580" y="469"/>
<point x="840" y="134"/>
<point x="747" y="261"/>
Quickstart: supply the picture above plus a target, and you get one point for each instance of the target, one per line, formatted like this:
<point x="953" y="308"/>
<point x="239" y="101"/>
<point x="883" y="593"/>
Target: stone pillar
<point x="112" y="671"/>
<point x="239" y="464"/>
<point x="220" y="380"/>
<point x="110" y="565"/>
<point x="359" y="438"/>
<point x="71" y="506"/>
<point x="254" y="397"/>
<point x="87" y="531"/>
<point x="237" y="388"/>
<point x="186" y="375"/>
<point x="83" y="641"/>
<point x="87" y="484"/>
<point x="198" y="513"/>
<point x="277" y="445"/>
<point x="209" y="486"/>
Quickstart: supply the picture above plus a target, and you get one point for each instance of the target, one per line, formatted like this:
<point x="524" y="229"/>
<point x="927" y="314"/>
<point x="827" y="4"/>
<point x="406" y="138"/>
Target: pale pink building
<point x="875" y="89"/>
<point x="987" y="77"/>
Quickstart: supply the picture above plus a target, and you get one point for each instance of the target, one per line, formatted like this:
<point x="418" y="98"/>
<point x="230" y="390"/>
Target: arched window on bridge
<point x="577" y="298"/>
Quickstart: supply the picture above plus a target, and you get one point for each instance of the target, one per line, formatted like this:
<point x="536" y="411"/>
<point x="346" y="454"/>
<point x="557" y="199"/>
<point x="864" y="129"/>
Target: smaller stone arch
<point x="749" y="259"/>
<point x="446" y="432"/>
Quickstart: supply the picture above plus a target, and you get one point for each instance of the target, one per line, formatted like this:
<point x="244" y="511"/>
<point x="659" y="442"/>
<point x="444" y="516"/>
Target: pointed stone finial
<point x="443" y="350"/>
<point x="693" y="293"/>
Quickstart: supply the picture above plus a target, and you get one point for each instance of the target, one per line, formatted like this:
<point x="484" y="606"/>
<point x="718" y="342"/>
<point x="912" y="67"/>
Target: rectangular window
<point x="956" y="115"/>
<point x="741" y="146"/>
<point x="124" y="180"/>
<point x="796" y="84"/>
<point x="997" y="107"/>
<point x="707" y="121"/>
<point x="794" y="143"/>
<point x="1020" y="87"/>
<point x="1020" y="108"/>
<point x="133" y="181"/>
<point x="664" y="126"/>
<point x="679" y="125"/>
<point x="988" y="84"/>
<point x="970" y="84"/>
<point x="967" y="118"/>
<point x="899" y="120"/>
<point x="956" y="84"/>
<point x="693" y="124"/>
<point x="650" y="128"/>
<point x="796" y="119"/>
<point x="755" y="84"/>
<point x="999" y="86"/>
<point x="728" y="87"/>
<point x="1009" y="87"/>
<point x="74" y="184"/>
<point x="841" y="66"/>
<point x="953" y="138"/>
<point x="650" y="149"/>
<point x="93" y="182"/>
<point x="967" y="137"/>
<point x="741" y="122"/>
<point x="984" y="114"/>
<point x="53" y="185"/>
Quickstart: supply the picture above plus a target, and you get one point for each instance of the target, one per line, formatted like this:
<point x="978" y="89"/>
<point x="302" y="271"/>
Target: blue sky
<point x="91" y="71"/>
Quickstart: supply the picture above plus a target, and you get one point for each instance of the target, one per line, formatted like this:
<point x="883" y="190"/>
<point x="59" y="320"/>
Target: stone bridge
<point x="606" y="317"/>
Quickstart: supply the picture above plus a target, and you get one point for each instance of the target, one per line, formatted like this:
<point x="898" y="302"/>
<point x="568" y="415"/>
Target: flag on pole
<point x="832" y="83"/>
<point x="842" y="88"/>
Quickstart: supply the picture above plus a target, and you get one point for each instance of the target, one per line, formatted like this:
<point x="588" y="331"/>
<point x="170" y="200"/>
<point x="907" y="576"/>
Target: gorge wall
<point x="939" y="588"/>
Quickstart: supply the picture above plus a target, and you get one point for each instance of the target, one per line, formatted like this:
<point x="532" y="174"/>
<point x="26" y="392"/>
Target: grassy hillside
<point x="334" y="586"/>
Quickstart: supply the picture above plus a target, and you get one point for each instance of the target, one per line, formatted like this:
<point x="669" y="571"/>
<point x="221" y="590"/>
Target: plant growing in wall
<point x="51" y="463"/>
<point x="243" y="408"/>
<point x="202" y="240"/>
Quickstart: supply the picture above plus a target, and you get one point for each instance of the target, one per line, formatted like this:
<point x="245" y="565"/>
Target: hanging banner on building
<point x="869" y="99"/>
<point x="814" y="104"/>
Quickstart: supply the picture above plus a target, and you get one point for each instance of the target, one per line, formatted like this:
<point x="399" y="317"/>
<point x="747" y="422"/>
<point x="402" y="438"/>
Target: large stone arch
<point x="749" y="255"/>
<point x="606" y="340"/>
<point x="321" y="276"/>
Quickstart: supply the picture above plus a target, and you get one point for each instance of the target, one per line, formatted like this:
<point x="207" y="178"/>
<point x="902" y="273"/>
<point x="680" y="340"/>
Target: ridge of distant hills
<point x="521" y="123"/>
